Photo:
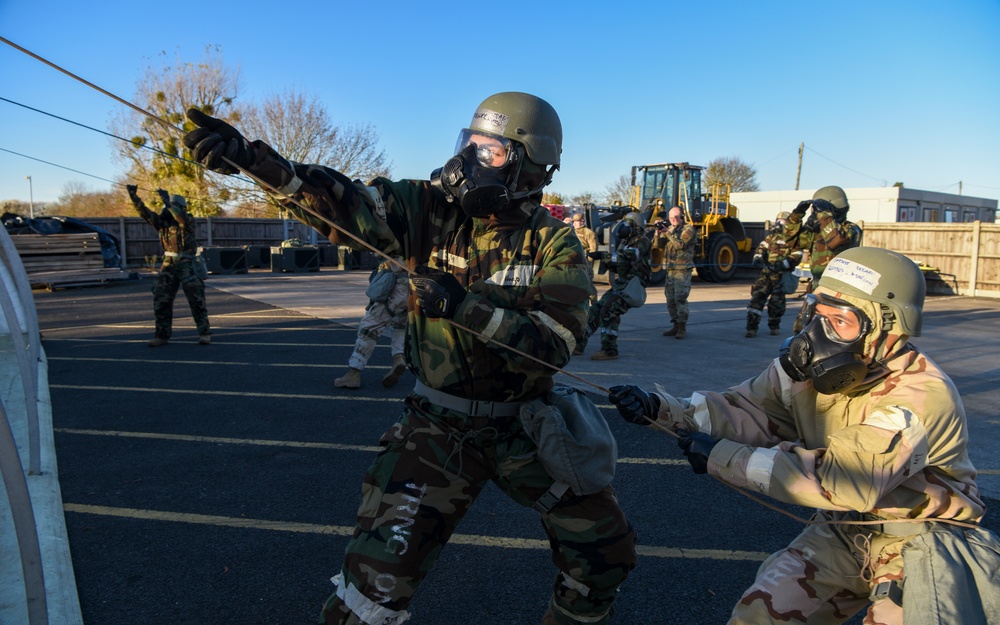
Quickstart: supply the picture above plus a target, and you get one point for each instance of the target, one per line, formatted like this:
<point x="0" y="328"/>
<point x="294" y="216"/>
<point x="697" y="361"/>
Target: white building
<point x="877" y="205"/>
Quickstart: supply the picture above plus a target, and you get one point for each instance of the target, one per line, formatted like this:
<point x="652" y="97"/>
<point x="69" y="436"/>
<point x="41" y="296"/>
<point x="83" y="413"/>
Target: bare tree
<point x="587" y="197"/>
<point x="77" y="201"/>
<point x="619" y="190"/>
<point x="167" y="90"/>
<point x="740" y="176"/>
<point x="299" y="128"/>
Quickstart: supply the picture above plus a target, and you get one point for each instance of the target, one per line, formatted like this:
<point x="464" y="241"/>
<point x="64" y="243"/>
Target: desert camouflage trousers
<point x="827" y="575"/>
<point x="766" y="289"/>
<point x="377" y="318"/>
<point x="433" y="464"/>
<point x="174" y="276"/>
<point x="677" y="288"/>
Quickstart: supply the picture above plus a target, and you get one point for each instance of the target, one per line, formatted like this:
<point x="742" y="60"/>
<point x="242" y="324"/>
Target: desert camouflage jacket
<point x="896" y="449"/>
<point x="528" y="279"/>
<point x="833" y="238"/>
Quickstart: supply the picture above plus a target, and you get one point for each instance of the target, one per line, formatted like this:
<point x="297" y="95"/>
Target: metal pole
<point x="31" y="199"/>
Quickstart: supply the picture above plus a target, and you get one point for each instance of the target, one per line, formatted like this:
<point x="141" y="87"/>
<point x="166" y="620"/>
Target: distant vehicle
<point x="721" y="233"/>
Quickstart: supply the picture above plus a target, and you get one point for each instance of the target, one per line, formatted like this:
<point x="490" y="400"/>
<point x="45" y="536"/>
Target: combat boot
<point x="671" y="332"/>
<point x="751" y="332"/>
<point x="204" y="339"/>
<point x="606" y="354"/>
<point x="158" y="341"/>
<point x="351" y="379"/>
<point x="395" y="372"/>
<point x="681" y="331"/>
<point x="775" y="331"/>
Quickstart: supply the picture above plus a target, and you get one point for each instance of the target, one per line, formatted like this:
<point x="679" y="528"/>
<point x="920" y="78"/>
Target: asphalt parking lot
<point x="218" y="484"/>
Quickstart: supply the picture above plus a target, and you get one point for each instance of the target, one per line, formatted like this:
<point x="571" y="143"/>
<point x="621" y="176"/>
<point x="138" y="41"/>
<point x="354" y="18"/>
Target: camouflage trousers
<point x="174" y="276"/>
<point x="377" y="318"/>
<point x="827" y="575"/>
<point x="433" y="464"/>
<point x="766" y="289"/>
<point x="606" y="315"/>
<point x="677" y="288"/>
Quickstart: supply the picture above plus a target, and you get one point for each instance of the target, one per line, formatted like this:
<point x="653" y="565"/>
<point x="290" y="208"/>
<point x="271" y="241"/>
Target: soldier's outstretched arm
<point x="140" y="207"/>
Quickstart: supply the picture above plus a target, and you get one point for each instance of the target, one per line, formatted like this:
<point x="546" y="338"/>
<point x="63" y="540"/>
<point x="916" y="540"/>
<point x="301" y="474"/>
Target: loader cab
<point x="677" y="184"/>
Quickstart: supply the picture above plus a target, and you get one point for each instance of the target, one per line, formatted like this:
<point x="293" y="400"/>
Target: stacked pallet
<point x="57" y="260"/>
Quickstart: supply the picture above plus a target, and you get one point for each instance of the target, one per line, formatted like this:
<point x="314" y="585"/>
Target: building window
<point x="907" y="213"/>
<point x="950" y="215"/>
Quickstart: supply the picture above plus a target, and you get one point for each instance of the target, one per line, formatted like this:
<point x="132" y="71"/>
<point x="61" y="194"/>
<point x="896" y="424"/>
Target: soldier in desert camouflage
<point x="488" y="256"/>
<point x="851" y="419"/>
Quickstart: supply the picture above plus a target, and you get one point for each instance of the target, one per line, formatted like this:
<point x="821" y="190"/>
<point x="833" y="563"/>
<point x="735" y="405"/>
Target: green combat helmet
<point x="836" y="196"/>
<point x="881" y="276"/>
<point x="527" y="119"/>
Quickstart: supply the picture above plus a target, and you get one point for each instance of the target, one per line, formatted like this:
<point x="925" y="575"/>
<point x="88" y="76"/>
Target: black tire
<point x="720" y="263"/>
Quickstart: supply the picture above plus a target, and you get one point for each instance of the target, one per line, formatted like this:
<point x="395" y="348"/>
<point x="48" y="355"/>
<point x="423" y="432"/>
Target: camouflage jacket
<point x="631" y="258"/>
<point x="588" y="238"/>
<point x="775" y="250"/>
<point x="833" y="238"/>
<point x="897" y="448"/>
<point x="176" y="236"/>
<point x="527" y="279"/>
<point x="678" y="244"/>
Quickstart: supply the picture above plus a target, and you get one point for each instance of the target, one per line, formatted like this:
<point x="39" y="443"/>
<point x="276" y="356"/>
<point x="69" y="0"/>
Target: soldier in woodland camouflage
<point x="629" y="260"/>
<point x="487" y="256"/>
<point x="851" y="419"/>
<point x="179" y="269"/>
<point x="775" y="257"/>
<point x="824" y="233"/>
<point x="678" y="241"/>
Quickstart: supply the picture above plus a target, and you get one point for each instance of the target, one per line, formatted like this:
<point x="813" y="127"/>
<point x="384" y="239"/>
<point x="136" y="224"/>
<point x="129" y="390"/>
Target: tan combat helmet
<point x="882" y="276"/>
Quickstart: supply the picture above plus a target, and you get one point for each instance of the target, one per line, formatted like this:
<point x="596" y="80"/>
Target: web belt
<point x="471" y="407"/>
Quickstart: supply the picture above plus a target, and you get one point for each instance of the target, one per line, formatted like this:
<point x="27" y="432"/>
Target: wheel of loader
<point x="720" y="263"/>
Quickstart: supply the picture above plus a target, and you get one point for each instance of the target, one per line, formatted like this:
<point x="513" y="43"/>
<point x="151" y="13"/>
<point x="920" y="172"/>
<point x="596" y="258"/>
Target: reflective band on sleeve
<point x="364" y="608"/>
<point x="292" y="186"/>
<point x="494" y="324"/>
<point x="556" y="327"/>
<point x="701" y="416"/>
<point x="759" y="469"/>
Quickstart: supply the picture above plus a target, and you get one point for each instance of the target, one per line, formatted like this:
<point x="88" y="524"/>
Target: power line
<point x="83" y="173"/>
<point x="882" y="180"/>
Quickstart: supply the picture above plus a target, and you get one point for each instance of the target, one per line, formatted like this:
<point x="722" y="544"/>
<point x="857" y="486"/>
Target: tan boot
<point x="351" y="379"/>
<point x="681" y="331"/>
<point x="605" y="355"/>
<point x="396" y="372"/>
<point x="671" y="332"/>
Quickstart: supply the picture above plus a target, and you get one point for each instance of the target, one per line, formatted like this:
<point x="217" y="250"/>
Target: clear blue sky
<point x="879" y="91"/>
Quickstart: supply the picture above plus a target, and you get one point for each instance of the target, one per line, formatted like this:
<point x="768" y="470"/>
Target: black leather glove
<point x="823" y="206"/>
<point x="697" y="446"/>
<point x="595" y="255"/>
<point x="802" y="207"/>
<point x="438" y="293"/>
<point x="164" y="196"/>
<point x="215" y="139"/>
<point x="131" y="188"/>
<point x="634" y="404"/>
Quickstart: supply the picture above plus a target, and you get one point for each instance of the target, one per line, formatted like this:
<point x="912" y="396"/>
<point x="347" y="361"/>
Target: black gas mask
<point x="830" y="348"/>
<point x="481" y="175"/>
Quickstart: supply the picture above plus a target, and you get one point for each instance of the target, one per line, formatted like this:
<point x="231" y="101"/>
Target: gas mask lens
<point x="491" y="151"/>
<point x="841" y="322"/>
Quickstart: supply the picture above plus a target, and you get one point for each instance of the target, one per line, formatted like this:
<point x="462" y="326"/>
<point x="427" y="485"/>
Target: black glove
<point x="823" y="206"/>
<point x="758" y="261"/>
<point x="697" y="446"/>
<point x="215" y="139"/>
<point x="802" y="207"/>
<point x="131" y="188"/>
<point x="438" y="293"/>
<point x="634" y="404"/>
<point x="164" y="196"/>
<point x="595" y="255"/>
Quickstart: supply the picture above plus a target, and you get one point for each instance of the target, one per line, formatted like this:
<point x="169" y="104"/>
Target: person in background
<point x="776" y="259"/>
<point x="388" y="291"/>
<point x="587" y="236"/>
<point x="179" y="269"/>
<point x="678" y="241"/>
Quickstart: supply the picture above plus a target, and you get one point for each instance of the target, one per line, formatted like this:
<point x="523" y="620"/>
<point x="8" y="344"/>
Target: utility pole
<point x="798" y="174"/>
<point x="31" y="198"/>
<point x="960" y="187"/>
